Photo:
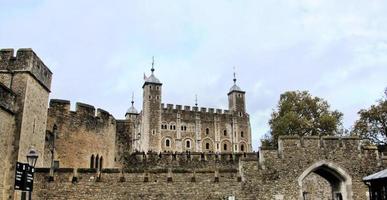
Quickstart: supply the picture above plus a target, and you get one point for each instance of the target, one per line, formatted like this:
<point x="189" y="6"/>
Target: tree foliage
<point x="299" y="113"/>
<point x="372" y="123"/>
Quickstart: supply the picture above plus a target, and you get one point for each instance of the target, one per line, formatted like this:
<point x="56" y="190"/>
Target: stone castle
<point x="164" y="151"/>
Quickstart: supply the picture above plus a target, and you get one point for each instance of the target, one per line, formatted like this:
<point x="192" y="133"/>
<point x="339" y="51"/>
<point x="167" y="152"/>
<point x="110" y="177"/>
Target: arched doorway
<point x="330" y="181"/>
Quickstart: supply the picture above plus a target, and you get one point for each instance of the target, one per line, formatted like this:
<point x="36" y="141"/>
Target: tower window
<point x="167" y="143"/>
<point x="188" y="144"/>
<point x="150" y="87"/>
<point x="225" y="132"/>
<point x="153" y="132"/>
<point x="217" y="146"/>
<point x="207" y="131"/>
<point x="157" y="88"/>
<point x="207" y="145"/>
<point x="242" y="135"/>
<point x="242" y="148"/>
<point x="225" y="147"/>
<point x="150" y="97"/>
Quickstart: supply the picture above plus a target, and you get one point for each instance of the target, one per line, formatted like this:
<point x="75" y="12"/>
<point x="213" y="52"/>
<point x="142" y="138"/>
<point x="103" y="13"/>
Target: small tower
<point x="151" y="116"/>
<point x="236" y="98"/>
<point x="132" y="112"/>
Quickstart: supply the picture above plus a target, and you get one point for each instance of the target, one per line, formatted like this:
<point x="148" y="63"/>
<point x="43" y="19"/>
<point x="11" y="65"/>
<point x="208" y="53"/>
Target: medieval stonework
<point x="164" y="151"/>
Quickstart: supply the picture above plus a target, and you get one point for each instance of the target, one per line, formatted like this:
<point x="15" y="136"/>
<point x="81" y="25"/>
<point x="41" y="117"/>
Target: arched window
<point x="242" y="135"/>
<point x="242" y="148"/>
<point x="188" y="144"/>
<point x="167" y="143"/>
<point x="174" y="127"/>
<point x="207" y="145"/>
<point x="225" y="147"/>
<point x="92" y="161"/>
<point x="225" y="132"/>
<point x="100" y="163"/>
<point x="171" y="127"/>
<point x="96" y="161"/>
<point x="207" y="131"/>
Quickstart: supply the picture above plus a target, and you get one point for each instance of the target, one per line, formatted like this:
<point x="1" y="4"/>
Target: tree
<point x="299" y="113"/>
<point x="372" y="123"/>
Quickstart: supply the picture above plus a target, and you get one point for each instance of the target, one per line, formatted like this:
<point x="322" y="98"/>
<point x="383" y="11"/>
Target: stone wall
<point x="81" y="134"/>
<point x="283" y="173"/>
<point x="7" y="129"/>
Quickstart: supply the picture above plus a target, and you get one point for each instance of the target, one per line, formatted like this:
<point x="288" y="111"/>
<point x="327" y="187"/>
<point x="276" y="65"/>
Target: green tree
<point x="299" y="113"/>
<point x="372" y="123"/>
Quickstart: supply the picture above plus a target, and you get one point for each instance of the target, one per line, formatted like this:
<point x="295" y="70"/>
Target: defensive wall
<point x="7" y="129"/>
<point x="81" y="135"/>
<point x="294" y="169"/>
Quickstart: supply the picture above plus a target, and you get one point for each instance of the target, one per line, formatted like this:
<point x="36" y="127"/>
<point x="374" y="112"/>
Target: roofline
<point x="243" y="92"/>
<point x="148" y="83"/>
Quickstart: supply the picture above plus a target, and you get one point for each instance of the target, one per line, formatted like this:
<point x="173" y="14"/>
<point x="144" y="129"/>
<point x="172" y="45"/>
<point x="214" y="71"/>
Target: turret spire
<point x="132" y="99"/>
<point x="234" y="77"/>
<point x="196" y="100"/>
<point x="153" y="63"/>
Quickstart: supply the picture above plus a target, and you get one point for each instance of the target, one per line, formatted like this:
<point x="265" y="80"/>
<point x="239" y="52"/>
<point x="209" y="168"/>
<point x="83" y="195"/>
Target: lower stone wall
<point x="7" y="129"/>
<point x="131" y="185"/>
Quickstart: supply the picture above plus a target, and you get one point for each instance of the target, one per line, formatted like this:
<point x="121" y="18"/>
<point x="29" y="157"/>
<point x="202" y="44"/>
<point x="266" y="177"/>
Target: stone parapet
<point x="25" y="60"/>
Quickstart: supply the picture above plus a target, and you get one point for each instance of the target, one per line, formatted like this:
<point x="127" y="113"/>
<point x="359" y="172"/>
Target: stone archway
<point x="338" y="180"/>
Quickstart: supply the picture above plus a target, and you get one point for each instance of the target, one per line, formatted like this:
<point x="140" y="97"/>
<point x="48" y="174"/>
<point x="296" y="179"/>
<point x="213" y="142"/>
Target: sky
<point x="100" y="50"/>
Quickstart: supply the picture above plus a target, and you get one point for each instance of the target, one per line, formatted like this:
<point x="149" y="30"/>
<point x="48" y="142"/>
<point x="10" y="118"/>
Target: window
<point x="96" y="161"/>
<point x="188" y="144"/>
<point x="183" y="128"/>
<point x="171" y="127"/>
<point x="207" y="131"/>
<point x="150" y="97"/>
<point x="92" y="161"/>
<point x="174" y="127"/>
<point x="157" y="88"/>
<point x="100" y="163"/>
<point x="153" y="132"/>
<point x="150" y="87"/>
<point x="217" y="146"/>
<point x="225" y="132"/>
<point x="225" y="147"/>
<point x="242" y="148"/>
<point x="167" y="143"/>
<point x="242" y="135"/>
<point x="207" y="145"/>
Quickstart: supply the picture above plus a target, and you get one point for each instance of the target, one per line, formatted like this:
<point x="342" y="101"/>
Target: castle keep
<point x="164" y="151"/>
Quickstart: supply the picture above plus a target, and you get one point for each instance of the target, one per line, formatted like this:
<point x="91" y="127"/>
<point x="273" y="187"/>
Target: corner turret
<point x="236" y="98"/>
<point x="151" y="114"/>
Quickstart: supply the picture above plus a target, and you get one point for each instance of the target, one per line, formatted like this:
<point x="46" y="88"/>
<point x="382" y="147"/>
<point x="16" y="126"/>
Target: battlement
<point x="25" y="60"/>
<point x="322" y="147"/>
<point x="289" y="142"/>
<point x="172" y="107"/>
<point x="81" y="109"/>
<point x="187" y="160"/>
<point x="7" y="99"/>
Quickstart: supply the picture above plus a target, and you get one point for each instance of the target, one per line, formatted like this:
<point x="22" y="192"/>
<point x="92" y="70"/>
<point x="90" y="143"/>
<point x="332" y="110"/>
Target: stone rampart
<point x="82" y="135"/>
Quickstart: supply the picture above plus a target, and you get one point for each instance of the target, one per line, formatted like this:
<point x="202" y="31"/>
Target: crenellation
<point x="203" y="110"/>
<point x="60" y="105"/>
<point x="219" y="111"/>
<point x="210" y="110"/>
<point x="187" y="108"/>
<point x="195" y="109"/>
<point x="84" y="109"/>
<point x="103" y="114"/>
<point x="178" y="107"/>
<point x="170" y="106"/>
<point x="27" y="61"/>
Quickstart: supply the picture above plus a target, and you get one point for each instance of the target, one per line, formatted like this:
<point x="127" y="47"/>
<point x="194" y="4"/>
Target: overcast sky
<point x="99" y="52"/>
